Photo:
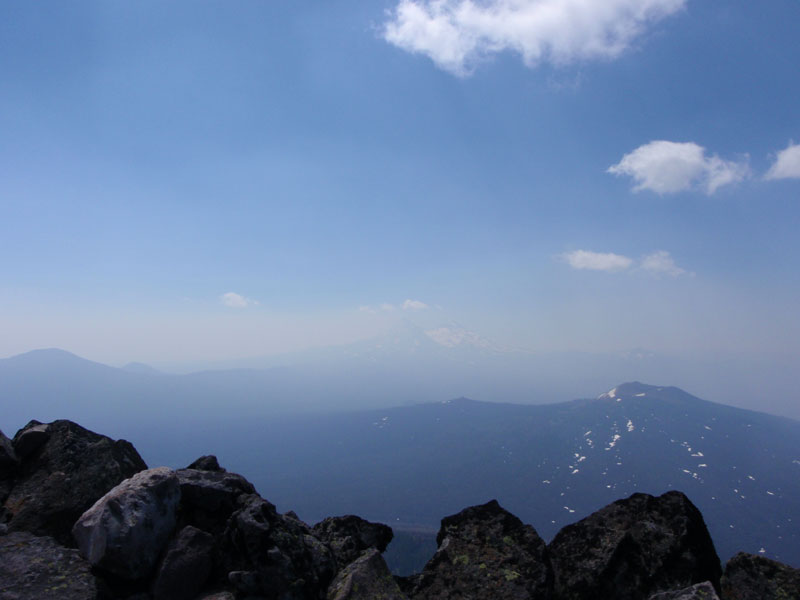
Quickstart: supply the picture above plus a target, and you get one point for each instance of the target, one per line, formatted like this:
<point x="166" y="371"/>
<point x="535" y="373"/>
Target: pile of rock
<point x="83" y="518"/>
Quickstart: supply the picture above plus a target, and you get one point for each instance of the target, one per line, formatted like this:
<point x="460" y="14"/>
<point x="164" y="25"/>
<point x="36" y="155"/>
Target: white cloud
<point x="667" y="167"/>
<point x="659" y="262"/>
<point x="662" y="263"/>
<point x="414" y="305"/>
<point x="386" y="307"/>
<point x="234" y="300"/>
<point x="458" y="34"/>
<point x="596" y="261"/>
<point x="787" y="163"/>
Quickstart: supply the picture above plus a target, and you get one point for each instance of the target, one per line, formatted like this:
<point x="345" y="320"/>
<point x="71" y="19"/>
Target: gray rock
<point x="124" y="532"/>
<point x="38" y="568"/>
<point x="186" y="565"/>
<point x="752" y="577"/>
<point x="8" y="458"/>
<point x="212" y="490"/>
<point x="366" y="578"/>
<point x="634" y="548"/>
<point x="208" y="498"/>
<point x="485" y="552"/>
<point x="349" y="536"/>
<point x="30" y="438"/>
<point x="699" y="591"/>
<point x="217" y="596"/>
<point x="63" y="477"/>
<point x="270" y="555"/>
<point x="206" y="463"/>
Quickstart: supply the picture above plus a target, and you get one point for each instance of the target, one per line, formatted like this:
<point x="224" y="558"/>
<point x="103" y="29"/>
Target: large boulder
<point x="485" y="552"/>
<point x="634" y="548"/>
<point x="186" y="565"/>
<point x="274" y="556"/>
<point x="751" y="577"/>
<point x="366" y="578"/>
<point x="208" y="498"/>
<point x="63" y="470"/>
<point x="125" y="531"/>
<point x="349" y="536"/>
<point x="38" y="567"/>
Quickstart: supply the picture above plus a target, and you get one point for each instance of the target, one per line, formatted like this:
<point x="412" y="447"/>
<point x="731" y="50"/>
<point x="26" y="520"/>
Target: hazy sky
<point x="208" y="180"/>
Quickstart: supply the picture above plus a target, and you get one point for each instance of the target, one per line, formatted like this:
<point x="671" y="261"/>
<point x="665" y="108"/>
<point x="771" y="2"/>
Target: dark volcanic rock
<point x="38" y="567"/>
<point x="349" y="536"/>
<point x="751" y="577"/>
<point x="64" y="469"/>
<point x="486" y="552"/>
<point x="8" y="458"/>
<point x="699" y="591"/>
<point x="124" y="532"/>
<point x="186" y="565"/>
<point x="30" y="438"/>
<point x="206" y="463"/>
<point x="208" y="498"/>
<point x="634" y="548"/>
<point x="268" y="554"/>
<point x="366" y="578"/>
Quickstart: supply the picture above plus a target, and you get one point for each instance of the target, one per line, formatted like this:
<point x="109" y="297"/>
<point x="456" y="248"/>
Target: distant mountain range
<point x="303" y="436"/>
<point x="551" y="464"/>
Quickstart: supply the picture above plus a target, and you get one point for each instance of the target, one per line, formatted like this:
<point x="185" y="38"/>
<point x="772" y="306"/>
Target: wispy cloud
<point x="414" y="305"/>
<point x="234" y="300"/>
<point x="596" y="261"/>
<point x="388" y="307"/>
<point x="787" y="164"/>
<point x="667" y="167"/>
<point x="459" y="34"/>
<point x="659" y="262"/>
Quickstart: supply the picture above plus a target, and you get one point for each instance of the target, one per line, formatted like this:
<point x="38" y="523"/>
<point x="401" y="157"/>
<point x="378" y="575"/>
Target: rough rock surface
<point x="634" y="548"/>
<point x="208" y="498"/>
<point x="124" y="532"/>
<point x="186" y="565"/>
<point x="349" y="536"/>
<point x="206" y="463"/>
<point x="485" y="552"/>
<point x="699" y="591"/>
<point x="268" y="554"/>
<point x="64" y="469"/>
<point x="38" y="567"/>
<point x="366" y="578"/>
<point x="751" y="577"/>
<point x="8" y="458"/>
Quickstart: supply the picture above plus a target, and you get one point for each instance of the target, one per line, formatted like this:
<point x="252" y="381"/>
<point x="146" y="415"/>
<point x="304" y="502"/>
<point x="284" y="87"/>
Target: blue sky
<point x="207" y="180"/>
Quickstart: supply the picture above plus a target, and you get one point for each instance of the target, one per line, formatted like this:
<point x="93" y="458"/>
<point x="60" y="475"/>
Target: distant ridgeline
<point x="84" y="518"/>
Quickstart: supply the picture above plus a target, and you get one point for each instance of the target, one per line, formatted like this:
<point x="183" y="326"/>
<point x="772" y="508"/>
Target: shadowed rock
<point x="206" y="463"/>
<point x="366" y="578"/>
<point x="8" y="458"/>
<point x="634" y="548"/>
<point x="485" y="552"/>
<point x="124" y="532"/>
<point x="349" y="536"/>
<point x="38" y="567"/>
<point x="64" y="469"/>
<point x="751" y="577"/>
<point x="699" y="591"/>
<point x="270" y="555"/>
<point x="185" y="567"/>
<point x="208" y="498"/>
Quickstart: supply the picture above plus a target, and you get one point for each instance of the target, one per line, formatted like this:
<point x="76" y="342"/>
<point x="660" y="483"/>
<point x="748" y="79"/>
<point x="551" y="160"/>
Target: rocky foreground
<point x="82" y="518"/>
